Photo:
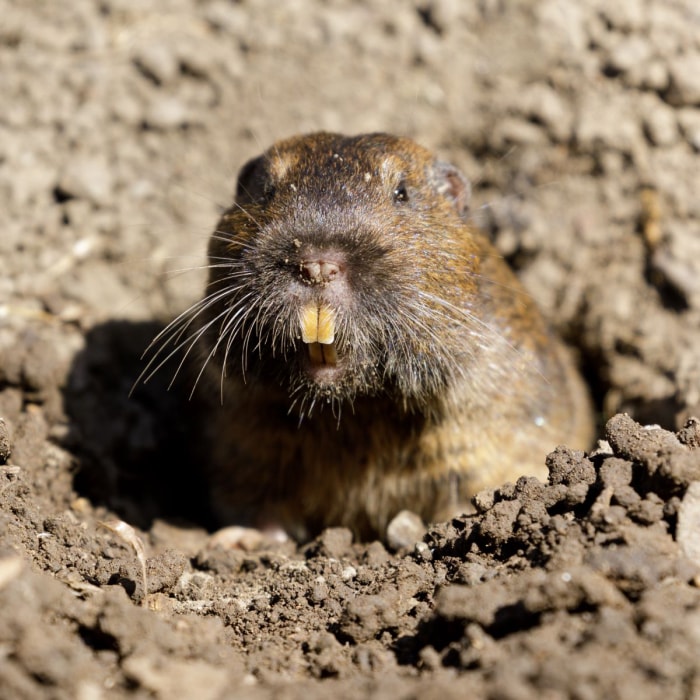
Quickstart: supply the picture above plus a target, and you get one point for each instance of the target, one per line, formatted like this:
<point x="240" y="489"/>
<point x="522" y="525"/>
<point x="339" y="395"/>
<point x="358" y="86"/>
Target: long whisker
<point x="493" y="331"/>
<point x="230" y="331"/>
<point x="243" y="210"/>
<point x="173" y="332"/>
<point x="228" y="318"/>
<point x="175" y="272"/>
<point x="189" y="315"/>
<point x="226" y="237"/>
<point x="469" y="317"/>
<point x="190" y="340"/>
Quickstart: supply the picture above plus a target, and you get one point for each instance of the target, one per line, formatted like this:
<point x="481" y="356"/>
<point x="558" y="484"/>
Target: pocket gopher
<point x="367" y="348"/>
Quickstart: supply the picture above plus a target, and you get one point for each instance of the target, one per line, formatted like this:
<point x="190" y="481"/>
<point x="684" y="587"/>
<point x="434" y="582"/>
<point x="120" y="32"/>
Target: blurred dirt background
<point x="122" y="126"/>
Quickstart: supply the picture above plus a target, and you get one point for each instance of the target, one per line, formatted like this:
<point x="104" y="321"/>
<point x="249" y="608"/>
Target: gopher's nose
<point x="319" y="271"/>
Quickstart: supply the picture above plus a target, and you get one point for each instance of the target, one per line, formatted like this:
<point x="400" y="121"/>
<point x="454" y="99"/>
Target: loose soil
<point x="122" y="127"/>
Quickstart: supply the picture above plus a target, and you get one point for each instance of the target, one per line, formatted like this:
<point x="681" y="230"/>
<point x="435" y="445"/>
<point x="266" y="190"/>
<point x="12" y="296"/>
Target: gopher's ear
<point x="252" y="181"/>
<point x="450" y="183"/>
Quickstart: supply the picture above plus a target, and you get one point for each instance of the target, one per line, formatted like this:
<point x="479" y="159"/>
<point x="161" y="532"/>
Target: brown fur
<point x="449" y="380"/>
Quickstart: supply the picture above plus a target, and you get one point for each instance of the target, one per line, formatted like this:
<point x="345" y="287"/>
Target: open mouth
<point x="318" y="333"/>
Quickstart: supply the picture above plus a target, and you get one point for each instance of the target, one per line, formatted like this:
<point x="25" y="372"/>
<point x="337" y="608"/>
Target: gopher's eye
<point x="401" y="193"/>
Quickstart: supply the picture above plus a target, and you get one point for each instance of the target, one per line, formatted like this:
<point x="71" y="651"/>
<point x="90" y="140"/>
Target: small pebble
<point x="404" y="530"/>
<point x="87" y="178"/>
<point x="688" y="529"/>
<point x="685" y="80"/>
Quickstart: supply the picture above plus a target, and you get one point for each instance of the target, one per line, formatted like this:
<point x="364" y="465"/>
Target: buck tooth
<point x="326" y="325"/>
<point x="329" y="355"/>
<point x="308" y="318"/>
<point x="316" y="353"/>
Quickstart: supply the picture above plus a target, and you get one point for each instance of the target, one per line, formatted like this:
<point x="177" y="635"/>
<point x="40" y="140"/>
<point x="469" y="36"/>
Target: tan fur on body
<point x="447" y="379"/>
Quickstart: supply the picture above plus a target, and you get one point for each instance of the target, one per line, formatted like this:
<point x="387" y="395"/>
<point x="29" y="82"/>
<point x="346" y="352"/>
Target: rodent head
<point x="344" y="268"/>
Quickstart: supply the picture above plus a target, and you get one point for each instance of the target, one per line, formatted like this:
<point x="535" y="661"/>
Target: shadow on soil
<point x="138" y="454"/>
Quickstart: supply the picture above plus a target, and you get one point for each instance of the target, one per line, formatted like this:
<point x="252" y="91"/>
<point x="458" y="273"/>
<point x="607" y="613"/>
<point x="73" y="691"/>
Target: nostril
<point x="319" y="271"/>
<point x="329" y="270"/>
<point x="311" y="271"/>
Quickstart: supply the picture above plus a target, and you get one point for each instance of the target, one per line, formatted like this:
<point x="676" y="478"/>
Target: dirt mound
<point x="121" y="130"/>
